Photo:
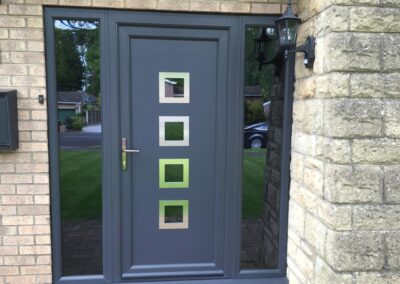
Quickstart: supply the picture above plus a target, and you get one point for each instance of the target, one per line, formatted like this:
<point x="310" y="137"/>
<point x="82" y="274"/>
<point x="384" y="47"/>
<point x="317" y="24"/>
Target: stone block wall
<point x="344" y="204"/>
<point x="25" y="241"/>
<point x="273" y="174"/>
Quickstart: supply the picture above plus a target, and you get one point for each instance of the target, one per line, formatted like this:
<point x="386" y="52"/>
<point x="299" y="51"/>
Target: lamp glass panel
<point x="288" y="32"/>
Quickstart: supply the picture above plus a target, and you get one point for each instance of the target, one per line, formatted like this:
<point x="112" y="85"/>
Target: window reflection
<point x="79" y="120"/>
<point x="262" y="117"/>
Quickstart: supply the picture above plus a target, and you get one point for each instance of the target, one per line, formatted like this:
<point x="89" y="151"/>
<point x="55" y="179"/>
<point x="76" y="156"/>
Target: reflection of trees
<point x="78" y="57"/>
<point x="253" y="75"/>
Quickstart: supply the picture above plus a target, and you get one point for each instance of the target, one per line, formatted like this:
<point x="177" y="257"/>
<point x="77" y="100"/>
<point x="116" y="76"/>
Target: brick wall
<point x="345" y="190"/>
<point x="25" y="248"/>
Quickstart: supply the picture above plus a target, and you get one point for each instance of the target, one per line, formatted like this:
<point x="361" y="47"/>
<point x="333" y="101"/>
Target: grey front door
<point x="175" y="83"/>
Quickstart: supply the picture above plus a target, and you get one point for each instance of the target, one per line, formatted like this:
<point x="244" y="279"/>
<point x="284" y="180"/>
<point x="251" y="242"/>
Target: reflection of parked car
<point x="255" y="135"/>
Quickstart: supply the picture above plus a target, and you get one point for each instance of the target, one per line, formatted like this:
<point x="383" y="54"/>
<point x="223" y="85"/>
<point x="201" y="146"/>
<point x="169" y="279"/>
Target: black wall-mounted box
<point x="8" y="120"/>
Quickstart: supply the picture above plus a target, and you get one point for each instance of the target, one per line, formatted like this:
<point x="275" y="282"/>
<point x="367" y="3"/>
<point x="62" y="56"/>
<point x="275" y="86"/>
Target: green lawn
<point x="80" y="182"/>
<point x="253" y="182"/>
<point x="174" y="131"/>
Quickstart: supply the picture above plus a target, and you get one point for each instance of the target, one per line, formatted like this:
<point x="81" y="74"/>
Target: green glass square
<point x="174" y="131"/>
<point x="173" y="173"/>
<point x="173" y="214"/>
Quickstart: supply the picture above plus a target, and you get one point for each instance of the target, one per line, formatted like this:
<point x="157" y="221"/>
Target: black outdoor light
<point x="287" y="26"/>
<point x="265" y="46"/>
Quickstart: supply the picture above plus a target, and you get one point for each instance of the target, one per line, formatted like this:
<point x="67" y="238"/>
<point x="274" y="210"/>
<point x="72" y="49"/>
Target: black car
<point x="255" y="135"/>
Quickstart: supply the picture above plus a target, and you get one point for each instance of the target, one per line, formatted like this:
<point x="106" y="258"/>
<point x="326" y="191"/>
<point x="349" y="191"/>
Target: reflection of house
<point x="172" y="90"/>
<point x="70" y="103"/>
<point x="252" y="93"/>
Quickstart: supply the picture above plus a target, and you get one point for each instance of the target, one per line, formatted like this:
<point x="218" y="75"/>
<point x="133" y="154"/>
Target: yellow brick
<point x="23" y="9"/>
<point x="7" y="210"/>
<point x="233" y="7"/>
<point x="34" y="230"/>
<point x="75" y="2"/>
<point x="32" y="189"/>
<point x="27" y="57"/>
<point x="23" y="81"/>
<point x="36" y="46"/>
<point x="42" y="249"/>
<point x="14" y="178"/>
<point x="13" y="69"/>
<point x="21" y="279"/>
<point x="41" y="179"/>
<point x="43" y="259"/>
<point x="36" y="269"/>
<point x="205" y="6"/>
<point x="141" y="4"/>
<point x="16" y="199"/>
<point x="17" y="220"/>
<point x="7" y="189"/>
<point x="267" y="8"/>
<point x="32" y="168"/>
<point x="41" y="199"/>
<point x="177" y="5"/>
<point x="13" y="45"/>
<point x="108" y="3"/>
<point x="39" y="136"/>
<point x="6" y="168"/>
<point x="24" y="115"/>
<point x="18" y="240"/>
<point x="34" y="210"/>
<point x="40" y="157"/>
<point x="8" y="270"/>
<point x="43" y="240"/>
<point x="19" y="260"/>
<point x="12" y="22"/>
<point x="34" y="22"/>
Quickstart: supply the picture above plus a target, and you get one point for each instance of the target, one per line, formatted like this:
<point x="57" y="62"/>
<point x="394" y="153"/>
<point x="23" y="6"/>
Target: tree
<point x="69" y="66"/>
<point x="78" y="56"/>
<point x="253" y="75"/>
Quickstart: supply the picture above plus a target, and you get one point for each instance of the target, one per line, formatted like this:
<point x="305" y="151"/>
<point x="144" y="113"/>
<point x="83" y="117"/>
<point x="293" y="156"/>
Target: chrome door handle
<point x="123" y="153"/>
<point x="130" y="151"/>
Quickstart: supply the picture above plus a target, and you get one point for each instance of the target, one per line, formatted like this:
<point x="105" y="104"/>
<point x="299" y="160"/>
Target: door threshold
<point x="219" y="281"/>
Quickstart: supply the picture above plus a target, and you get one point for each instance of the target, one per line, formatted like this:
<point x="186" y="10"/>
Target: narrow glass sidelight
<point x="80" y="145"/>
<point x="261" y="162"/>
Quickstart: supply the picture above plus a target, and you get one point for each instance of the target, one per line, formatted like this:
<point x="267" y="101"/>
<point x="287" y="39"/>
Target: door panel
<point x="192" y="243"/>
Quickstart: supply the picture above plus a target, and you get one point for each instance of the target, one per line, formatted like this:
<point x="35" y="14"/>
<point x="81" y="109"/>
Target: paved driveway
<point x="89" y="137"/>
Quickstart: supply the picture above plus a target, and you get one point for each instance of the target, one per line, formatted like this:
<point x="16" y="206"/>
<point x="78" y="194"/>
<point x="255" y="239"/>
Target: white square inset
<point x="183" y="138"/>
<point x="174" y="87"/>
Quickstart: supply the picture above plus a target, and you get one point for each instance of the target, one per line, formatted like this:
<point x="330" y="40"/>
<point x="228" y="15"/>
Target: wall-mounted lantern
<point x="287" y="26"/>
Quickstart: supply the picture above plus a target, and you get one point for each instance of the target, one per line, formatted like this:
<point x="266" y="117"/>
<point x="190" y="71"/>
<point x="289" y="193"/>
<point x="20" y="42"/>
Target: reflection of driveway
<point x="79" y="139"/>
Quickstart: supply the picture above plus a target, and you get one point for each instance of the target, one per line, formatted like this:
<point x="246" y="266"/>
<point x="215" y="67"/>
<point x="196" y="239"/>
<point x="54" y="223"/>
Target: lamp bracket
<point x="308" y="48"/>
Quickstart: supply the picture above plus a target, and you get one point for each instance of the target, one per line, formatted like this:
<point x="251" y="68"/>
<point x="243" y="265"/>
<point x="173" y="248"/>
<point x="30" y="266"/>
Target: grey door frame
<point x="111" y="142"/>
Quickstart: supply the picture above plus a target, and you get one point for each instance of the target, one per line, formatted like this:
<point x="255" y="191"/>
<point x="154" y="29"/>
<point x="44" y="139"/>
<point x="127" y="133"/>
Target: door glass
<point x="261" y="156"/>
<point x="80" y="159"/>
<point x="174" y="214"/>
<point x="174" y="87"/>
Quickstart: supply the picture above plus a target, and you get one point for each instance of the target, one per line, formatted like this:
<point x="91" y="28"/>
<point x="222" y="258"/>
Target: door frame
<point x="111" y="147"/>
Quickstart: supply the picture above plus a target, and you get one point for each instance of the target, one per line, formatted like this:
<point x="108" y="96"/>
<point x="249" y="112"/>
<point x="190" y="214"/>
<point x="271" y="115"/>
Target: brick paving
<point x="82" y="246"/>
<point x="251" y="254"/>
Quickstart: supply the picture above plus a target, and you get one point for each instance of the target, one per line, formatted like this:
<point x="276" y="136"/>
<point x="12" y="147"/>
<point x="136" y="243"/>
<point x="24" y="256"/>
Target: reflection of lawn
<point x="174" y="131"/>
<point x="253" y="182"/>
<point x="80" y="182"/>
